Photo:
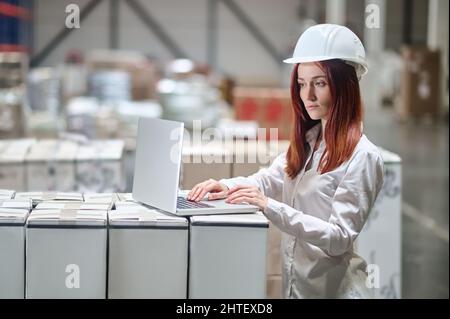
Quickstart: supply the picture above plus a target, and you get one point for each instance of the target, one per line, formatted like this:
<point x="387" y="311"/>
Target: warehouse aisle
<point x="424" y="151"/>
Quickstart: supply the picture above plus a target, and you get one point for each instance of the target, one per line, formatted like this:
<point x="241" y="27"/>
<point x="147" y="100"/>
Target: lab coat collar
<point x="312" y="134"/>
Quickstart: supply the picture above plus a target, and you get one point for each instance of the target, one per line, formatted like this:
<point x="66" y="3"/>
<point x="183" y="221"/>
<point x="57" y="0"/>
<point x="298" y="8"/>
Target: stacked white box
<point x="148" y="254"/>
<point x="51" y="165"/>
<point x="105" y="198"/>
<point x="12" y="252"/>
<point x="379" y="243"/>
<point x="6" y="193"/>
<point x="228" y="256"/>
<point x="24" y="203"/>
<point x="38" y="197"/>
<point x="45" y="205"/>
<point x="99" y="166"/>
<point x="41" y="166"/>
<point x="66" y="254"/>
<point x="12" y="163"/>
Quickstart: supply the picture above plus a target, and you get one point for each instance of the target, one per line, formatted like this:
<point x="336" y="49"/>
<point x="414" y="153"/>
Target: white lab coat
<point x="320" y="217"/>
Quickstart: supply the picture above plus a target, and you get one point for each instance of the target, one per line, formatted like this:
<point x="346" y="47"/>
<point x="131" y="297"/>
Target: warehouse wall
<point x="238" y="53"/>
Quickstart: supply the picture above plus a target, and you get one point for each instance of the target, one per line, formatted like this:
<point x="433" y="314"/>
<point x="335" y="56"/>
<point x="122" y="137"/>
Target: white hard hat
<point x="330" y="41"/>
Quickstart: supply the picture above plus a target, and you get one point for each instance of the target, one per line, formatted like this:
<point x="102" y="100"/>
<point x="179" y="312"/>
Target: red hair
<point x="343" y="127"/>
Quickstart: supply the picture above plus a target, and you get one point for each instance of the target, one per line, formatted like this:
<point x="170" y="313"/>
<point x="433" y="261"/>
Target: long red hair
<point x="343" y="127"/>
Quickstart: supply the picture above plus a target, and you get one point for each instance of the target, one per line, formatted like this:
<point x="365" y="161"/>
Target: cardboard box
<point x="99" y="166"/>
<point x="204" y="161"/>
<point x="17" y="203"/>
<point x="249" y="157"/>
<point x="64" y="205"/>
<point x="420" y="88"/>
<point x="148" y="254"/>
<point x="274" y="258"/>
<point x="12" y="160"/>
<point x="271" y="107"/>
<point x="12" y="124"/>
<point x="228" y="256"/>
<point x="143" y="73"/>
<point x="274" y="287"/>
<point x="6" y="193"/>
<point x="105" y="198"/>
<point x="41" y="166"/>
<point x="379" y="243"/>
<point x="37" y="197"/>
<point x="66" y="254"/>
<point x="12" y="252"/>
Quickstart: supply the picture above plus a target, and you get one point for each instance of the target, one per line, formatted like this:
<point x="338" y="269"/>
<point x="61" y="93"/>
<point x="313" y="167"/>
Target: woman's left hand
<point x="248" y="194"/>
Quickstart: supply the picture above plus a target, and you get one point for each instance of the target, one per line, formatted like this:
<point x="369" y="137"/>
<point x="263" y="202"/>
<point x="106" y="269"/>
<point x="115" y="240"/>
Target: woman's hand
<point x="248" y="194"/>
<point x="216" y="190"/>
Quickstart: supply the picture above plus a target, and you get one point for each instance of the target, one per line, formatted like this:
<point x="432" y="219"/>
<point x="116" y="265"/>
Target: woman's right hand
<point x="215" y="189"/>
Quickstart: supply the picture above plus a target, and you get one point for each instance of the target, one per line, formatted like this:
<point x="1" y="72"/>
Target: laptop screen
<point x="157" y="163"/>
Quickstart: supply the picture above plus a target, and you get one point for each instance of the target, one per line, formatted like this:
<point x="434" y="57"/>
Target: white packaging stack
<point x="12" y="252"/>
<point x="66" y="254"/>
<point x="379" y="243"/>
<point x="65" y="166"/>
<point x="25" y="203"/>
<point x="41" y="166"/>
<point x="6" y="193"/>
<point x="45" y="205"/>
<point x="104" y="198"/>
<point x="38" y="197"/>
<point x="228" y="256"/>
<point x="51" y="166"/>
<point x="99" y="166"/>
<point x="148" y="254"/>
<point x="12" y="163"/>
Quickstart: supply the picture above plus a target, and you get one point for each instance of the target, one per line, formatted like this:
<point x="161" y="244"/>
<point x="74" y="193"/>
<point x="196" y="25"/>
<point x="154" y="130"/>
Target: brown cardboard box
<point x="273" y="250"/>
<point x="205" y="161"/>
<point x="420" y="92"/>
<point x="271" y="107"/>
<point x="274" y="287"/>
<point x="143" y="73"/>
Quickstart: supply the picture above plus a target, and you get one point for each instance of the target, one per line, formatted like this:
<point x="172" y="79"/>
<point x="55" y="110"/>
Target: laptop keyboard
<point x="183" y="203"/>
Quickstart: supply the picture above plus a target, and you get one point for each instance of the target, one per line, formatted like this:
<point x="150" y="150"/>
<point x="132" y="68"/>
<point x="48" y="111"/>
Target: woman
<point x="328" y="179"/>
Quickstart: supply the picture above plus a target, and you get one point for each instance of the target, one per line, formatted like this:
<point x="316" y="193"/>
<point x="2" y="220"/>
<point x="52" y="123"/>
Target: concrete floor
<point x="425" y="211"/>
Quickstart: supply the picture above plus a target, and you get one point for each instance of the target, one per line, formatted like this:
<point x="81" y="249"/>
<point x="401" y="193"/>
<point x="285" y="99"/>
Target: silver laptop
<point x="157" y="172"/>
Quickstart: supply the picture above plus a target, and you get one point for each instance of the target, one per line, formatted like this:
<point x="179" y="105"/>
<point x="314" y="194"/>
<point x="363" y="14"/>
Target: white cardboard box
<point x="6" y="193"/>
<point x="40" y="166"/>
<point x="72" y="205"/>
<point x="38" y="197"/>
<point x="12" y="253"/>
<point x="25" y="203"/>
<point x="148" y="254"/>
<point x="99" y="167"/>
<point x="228" y="256"/>
<point x="12" y="163"/>
<point x="379" y="243"/>
<point x="66" y="254"/>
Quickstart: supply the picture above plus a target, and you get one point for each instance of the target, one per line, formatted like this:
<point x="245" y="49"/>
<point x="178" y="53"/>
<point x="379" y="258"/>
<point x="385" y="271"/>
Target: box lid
<point x="13" y="216"/>
<point x="134" y="216"/>
<point x="16" y="203"/>
<point x="72" y="205"/>
<point x="7" y="193"/>
<point x="125" y="197"/>
<point x="231" y="220"/>
<point x="109" y="198"/>
<point x="67" y="217"/>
